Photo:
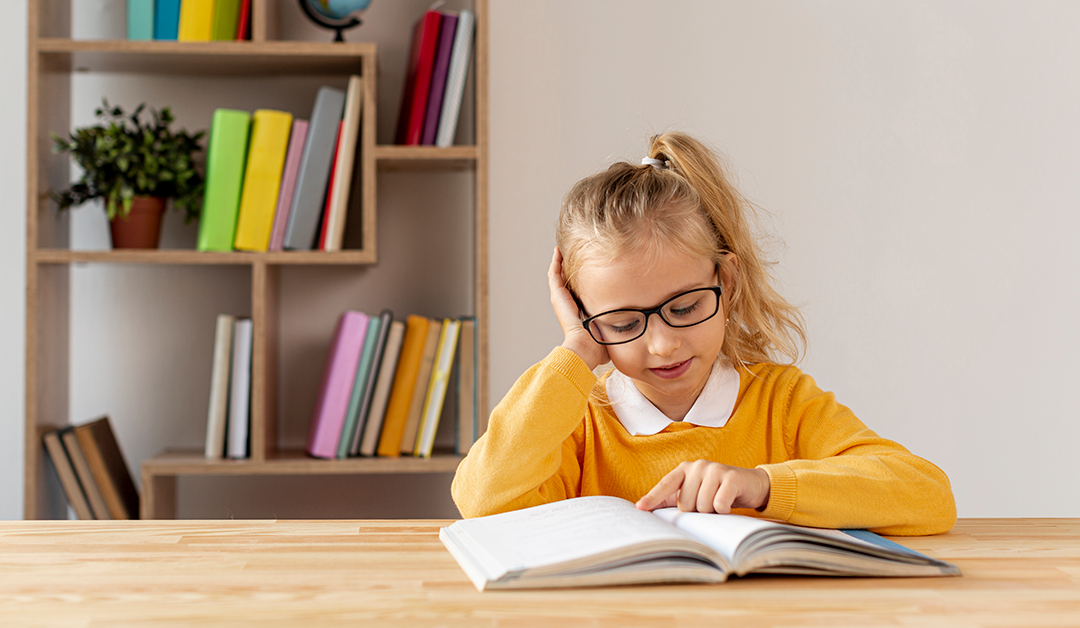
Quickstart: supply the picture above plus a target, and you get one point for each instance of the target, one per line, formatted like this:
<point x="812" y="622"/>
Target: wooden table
<point x="1017" y="572"/>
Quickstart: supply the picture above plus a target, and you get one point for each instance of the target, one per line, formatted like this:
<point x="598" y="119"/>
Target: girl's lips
<point x="672" y="371"/>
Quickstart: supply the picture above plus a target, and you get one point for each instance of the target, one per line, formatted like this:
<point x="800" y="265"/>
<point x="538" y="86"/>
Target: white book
<point x="217" y="414"/>
<point x="436" y="393"/>
<point x="381" y="395"/>
<point x="460" y="56"/>
<point x="240" y="390"/>
<point x="343" y="165"/>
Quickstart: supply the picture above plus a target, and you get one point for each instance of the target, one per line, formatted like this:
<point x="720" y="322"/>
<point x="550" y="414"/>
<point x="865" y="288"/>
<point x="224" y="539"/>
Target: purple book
<point x="339" y="373"/>
<point x="438" y="79"/>
<point x="288" y="184"/>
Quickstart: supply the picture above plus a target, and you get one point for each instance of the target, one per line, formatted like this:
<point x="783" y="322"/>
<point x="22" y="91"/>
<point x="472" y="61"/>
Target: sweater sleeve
<point x="528" y="455"/>
<point x="843" y="475"/>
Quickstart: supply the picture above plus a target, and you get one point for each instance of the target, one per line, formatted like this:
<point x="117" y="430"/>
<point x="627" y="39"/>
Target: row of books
<point x="435" y="78"/>
<point x="92" y="470"/>
<point x="228" y="419"/>
<point x="274" y="182"/>
<point x="385" y="384"/>
<point x="189" y="20"/>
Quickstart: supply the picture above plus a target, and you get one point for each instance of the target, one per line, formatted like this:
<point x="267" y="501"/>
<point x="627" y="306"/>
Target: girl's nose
<point x="661" y="339"/>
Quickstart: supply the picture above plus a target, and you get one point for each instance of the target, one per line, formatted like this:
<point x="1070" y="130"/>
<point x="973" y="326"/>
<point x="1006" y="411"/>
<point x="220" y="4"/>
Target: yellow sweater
<point x="548" y="441"/>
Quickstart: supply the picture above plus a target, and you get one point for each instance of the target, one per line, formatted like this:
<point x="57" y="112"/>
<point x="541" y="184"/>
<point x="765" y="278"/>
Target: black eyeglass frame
<point x="658" y="310"/>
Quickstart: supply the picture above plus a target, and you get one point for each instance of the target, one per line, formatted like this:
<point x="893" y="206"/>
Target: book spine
<point x="438" y="79"/>
<point x="324" y="222"/>
<point x="423" y="382"/>
<point x="140" y="19"/>
<point x="110" y="470"/>
<point x="196" y="20"/>
<point x="401" y="392"/>
<point x="226" y="155"/>
<point x="86" y="477"/>
<point x="243" y="21"/>
<point x="428" y="32"/>
<point x="239" y="422"/>
<point x="314" y="173"/>
<point x="455" y="82"/>
<point x="436" y="394"/>
<point x="166" y="19"/>
<point x="353" y="419"/>
<point x="225" y="20"/>
<point x="381" y="395"/>
<point x="288" y="184"/>
<point x="344" y="164"/>
<point x="219" y="388"/>
<point x="66" y="472"/>
<point x="262" y="179"/>
<point x="467" y="392"/>
<point x="338" y="376"/>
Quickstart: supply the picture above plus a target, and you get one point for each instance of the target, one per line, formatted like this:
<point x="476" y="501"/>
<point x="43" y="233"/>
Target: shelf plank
<point x="291" y="462"/>
<point x="188" y="257"/>
<point x="213" y="58"/>
<point x="393" y="157"/>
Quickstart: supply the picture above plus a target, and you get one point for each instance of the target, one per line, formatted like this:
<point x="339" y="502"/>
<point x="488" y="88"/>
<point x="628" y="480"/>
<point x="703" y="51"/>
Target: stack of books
<point x="385" y="383"/>
<point x="435" y="78"/>
<point x="275" y="183"/>
<point x="92" y="470"/>
<point x="189" y="20"/>
<point x="228" y="423"/>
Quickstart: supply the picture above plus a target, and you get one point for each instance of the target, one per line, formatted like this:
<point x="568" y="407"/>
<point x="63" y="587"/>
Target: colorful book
<point x="140" y="19"/>
<point x="423" y="381"/>
<point x="401" y="393"/>
<point x="438" y="78"/>
<point x="386" y="320"/>
<point x="225" y="20"/>
<point x="460" y="59"/>
<point x="324" y="220"/>
<point x="344" y="165"/>
<point x="339" y="373"/>
<point x="218" y="412"/>
<point x="226" y="155"/>
<point x="269" y="142"/>
<point x="196" y="20"/>
<point x="425" y="41"/>
<point x="381" y="395"/>
<point x="166" y="19"/>
<point x="239" y="421"/>
<point x="314" y="173"/>
<point x="109" y="468"/>
<point x="288" y="183"/>
<point x="467" y="421"/>
<point x="436" y="393"/>
<point x="243" y="21"/>
<point x="356" y="394"/>
<point x="86" y="478"/>
<point x="66" y="472"/>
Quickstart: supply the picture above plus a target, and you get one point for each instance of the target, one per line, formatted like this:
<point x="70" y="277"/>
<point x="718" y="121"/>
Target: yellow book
<point x="262" y="178"/>
<point x="401" y="393"/>
<point x="196" y="20"/>
<point x="436" y="392"/>
<point x="423" y="382"/>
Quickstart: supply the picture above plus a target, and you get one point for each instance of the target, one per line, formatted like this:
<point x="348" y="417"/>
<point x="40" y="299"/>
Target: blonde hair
<point x="689" y="204"/>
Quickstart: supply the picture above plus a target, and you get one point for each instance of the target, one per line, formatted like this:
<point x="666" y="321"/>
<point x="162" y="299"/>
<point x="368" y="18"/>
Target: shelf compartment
<point x="215" y="58"/>
<point x="182" y="257"/>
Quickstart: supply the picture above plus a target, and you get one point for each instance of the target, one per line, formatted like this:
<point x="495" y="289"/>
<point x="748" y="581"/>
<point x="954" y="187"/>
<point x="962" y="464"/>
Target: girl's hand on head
<point x="576" y="338"/>
<point x="706" y="486"/>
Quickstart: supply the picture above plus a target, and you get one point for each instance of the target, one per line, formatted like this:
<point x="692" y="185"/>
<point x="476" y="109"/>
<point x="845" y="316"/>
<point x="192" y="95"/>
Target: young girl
<point x="656" y="271"/>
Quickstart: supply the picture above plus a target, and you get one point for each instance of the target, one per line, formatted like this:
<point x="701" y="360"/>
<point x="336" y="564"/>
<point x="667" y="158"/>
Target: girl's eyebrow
<point x="649" y="307"/>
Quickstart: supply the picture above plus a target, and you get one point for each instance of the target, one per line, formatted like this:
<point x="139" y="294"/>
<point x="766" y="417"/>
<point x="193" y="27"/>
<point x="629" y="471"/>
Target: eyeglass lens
<point x="683" y="310"/>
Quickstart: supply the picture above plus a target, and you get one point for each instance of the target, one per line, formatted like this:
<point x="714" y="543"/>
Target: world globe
<point x="336" y="15"/>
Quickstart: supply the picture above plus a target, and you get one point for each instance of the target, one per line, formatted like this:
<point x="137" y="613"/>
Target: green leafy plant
<point x="124" y="156"/>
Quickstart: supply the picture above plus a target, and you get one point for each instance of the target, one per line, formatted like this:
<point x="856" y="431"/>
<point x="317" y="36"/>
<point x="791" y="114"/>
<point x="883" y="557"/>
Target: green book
<point x="226" y="155"/>
<point x="363" y="369"/>
<point x="140" y="19"/>
<point x="224" y="21"/>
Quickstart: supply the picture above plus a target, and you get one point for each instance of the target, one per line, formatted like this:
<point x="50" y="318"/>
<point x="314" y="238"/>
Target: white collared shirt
<point x="640" y="417"/>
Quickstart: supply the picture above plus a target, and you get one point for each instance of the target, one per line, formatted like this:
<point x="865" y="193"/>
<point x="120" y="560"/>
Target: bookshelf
<point x="55" y="59"/>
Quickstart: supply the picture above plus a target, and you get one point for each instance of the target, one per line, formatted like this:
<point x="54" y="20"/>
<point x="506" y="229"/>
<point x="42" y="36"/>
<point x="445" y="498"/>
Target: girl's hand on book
<point x="706" y="486"/>
<point x="566" y="309"/>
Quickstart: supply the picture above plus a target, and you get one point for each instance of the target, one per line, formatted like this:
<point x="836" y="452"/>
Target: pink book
<point x="339" y="373"/>
<point x="288" y="183"/>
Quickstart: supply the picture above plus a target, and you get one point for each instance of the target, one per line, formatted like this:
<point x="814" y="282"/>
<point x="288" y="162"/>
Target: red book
<point x="438" y="79"/>
<point x="327" y="207"/>
<point x="414" y="101"/>
<point x="243" y="21"/>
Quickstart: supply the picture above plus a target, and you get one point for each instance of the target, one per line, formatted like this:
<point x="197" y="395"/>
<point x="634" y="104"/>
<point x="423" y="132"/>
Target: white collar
<point x="640" y="417"/>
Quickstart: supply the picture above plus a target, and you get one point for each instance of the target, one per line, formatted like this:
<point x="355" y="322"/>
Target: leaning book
<point x="601" y="541"/>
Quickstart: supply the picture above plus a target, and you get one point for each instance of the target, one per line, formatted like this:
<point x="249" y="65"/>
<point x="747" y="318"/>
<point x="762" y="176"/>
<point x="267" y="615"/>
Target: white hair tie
<point x="655" y="163"/>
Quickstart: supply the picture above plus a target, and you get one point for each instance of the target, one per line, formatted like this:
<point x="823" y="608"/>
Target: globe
<point x="336" y="15"/>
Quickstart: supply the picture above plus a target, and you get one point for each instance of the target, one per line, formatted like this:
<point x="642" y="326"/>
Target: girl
<point x="656" y="271"/>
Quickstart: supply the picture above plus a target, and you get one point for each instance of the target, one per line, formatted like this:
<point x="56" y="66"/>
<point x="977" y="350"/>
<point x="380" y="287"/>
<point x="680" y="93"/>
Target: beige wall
<point x="918" y="161"/>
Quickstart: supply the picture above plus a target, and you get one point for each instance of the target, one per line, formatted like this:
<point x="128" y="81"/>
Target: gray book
<point x="309" y="196"/>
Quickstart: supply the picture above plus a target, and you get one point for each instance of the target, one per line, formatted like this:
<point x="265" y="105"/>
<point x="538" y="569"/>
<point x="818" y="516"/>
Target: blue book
<point x="166" y="19"/>
<point x="140" y="19"/>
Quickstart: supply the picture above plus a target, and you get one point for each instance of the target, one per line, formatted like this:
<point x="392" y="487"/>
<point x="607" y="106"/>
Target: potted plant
<point x="135" y="166"/>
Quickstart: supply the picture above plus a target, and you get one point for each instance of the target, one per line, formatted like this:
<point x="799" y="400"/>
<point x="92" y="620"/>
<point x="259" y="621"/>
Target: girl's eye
<point x="684" y="308"/>
<point x="618" y="326"/>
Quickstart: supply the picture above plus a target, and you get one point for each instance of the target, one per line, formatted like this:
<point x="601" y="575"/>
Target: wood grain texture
<point x="1017" y="572"/>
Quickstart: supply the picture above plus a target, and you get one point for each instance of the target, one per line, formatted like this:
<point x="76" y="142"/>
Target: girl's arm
<point x="529" y="453"/>
<point x="843" y="475"/>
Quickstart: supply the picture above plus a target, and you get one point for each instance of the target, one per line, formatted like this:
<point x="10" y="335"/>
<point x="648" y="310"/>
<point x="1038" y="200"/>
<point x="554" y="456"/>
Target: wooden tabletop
<point x="1017" y="572"/>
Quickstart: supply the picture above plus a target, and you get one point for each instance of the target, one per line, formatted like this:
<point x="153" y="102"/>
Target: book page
<point x="564" y="531"/>
<point x="723" y="533"/>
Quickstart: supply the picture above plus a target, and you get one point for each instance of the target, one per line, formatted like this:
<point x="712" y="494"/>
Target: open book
<point x="594" y="541"/>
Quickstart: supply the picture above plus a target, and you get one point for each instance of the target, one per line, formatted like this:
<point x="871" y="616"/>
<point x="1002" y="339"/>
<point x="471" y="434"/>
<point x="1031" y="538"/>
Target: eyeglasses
<point x="685" y="309"/>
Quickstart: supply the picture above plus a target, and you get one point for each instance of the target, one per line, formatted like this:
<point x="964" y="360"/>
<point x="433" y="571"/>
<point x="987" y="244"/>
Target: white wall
<point x="919" y="161"/>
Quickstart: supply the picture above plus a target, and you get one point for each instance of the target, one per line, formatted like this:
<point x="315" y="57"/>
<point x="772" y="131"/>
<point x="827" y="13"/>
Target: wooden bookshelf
<point x="54" y="59"/>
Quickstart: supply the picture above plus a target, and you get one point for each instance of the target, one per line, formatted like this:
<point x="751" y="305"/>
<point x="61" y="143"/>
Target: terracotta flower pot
<point x="141" y="229"/>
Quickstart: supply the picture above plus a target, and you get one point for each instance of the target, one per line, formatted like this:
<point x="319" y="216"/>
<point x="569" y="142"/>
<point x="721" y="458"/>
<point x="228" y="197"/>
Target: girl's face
<point x="669" y="366"/>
